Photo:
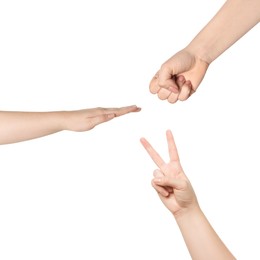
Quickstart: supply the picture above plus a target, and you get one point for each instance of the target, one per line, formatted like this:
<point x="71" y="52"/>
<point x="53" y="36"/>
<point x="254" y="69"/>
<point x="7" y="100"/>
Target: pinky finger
<point x="160" y="190"/>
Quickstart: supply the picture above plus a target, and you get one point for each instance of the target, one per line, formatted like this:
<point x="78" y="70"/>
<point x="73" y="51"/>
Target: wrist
<point x="200" y="52"/>
<point x="187" y="213"/>
<point x="62" y="119"/>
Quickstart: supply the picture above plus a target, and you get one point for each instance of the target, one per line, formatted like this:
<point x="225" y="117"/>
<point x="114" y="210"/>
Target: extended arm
<point x="177" y="194"/>
<point x="201" y="240"/>
<point x="21" y="126"/>
<point x="233" y="20"/>
<point x="180" y="76"/>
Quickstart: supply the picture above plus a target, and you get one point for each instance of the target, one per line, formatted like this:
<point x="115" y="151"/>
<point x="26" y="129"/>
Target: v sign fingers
<point x="153" y="154"/>
<point x="173" y="153"/>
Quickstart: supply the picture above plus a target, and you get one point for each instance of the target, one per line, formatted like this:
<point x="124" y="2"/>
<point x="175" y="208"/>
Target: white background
<point x="88" y="195"/>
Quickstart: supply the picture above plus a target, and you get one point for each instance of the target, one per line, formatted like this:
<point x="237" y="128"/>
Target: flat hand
<point x="87" y="119"/>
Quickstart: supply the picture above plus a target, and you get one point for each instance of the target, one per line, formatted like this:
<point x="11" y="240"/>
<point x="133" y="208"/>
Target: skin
<point x="180" y="76"/>
<point x="22" y="126"/>
<point x="176" y="193"/>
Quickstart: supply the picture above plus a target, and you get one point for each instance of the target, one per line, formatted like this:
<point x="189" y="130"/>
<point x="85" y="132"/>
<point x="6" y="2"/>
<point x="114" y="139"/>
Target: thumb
<point x="165" y="181"/>
<point x="167" y="77"/>
<point x="93" y="121"/>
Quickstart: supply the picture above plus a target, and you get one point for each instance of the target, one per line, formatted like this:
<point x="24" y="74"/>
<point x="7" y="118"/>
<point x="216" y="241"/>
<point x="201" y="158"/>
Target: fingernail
<point x="188" y="83"/>
<point x="166" y="194"/>
<point x="156" y="173"/>
<point x="181" y="78"/>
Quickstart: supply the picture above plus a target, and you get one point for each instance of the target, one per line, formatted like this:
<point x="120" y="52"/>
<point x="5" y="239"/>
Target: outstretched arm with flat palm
<point x="22" y="126"/>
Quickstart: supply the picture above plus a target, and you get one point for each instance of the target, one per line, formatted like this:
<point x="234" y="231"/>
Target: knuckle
<point x="164" y="66"/>
<point x="164" y="180"/>
<point x="91" y="124"/>
<point x="154" y="88"/>
<point x="185" y="185"/>
<point x="154" y="185"/>
<point x="161" y="83"/>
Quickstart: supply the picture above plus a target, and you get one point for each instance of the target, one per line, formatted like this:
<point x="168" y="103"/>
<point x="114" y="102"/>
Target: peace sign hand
<point x="172" y="185"/>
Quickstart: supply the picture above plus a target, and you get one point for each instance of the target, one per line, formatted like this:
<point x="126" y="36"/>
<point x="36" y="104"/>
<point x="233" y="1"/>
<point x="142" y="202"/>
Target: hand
<point x="179" y="77"/>
<point x="172" y="185"/>
<point x="86" y="119"/>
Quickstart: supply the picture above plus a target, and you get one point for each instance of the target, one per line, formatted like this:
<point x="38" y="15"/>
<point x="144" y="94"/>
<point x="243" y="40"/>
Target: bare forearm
<point x="200" y="238"/>
<point x="233" y="20"/>
<point x="21" y="126"/>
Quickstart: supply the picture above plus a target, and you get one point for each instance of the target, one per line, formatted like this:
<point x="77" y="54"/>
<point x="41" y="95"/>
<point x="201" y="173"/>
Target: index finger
<point x="122" y="110"/>
<point x="154" y="87"/>
<point x="153" y="154"/>
<point x="166" y="79"/>
<point x="173" y="152"/>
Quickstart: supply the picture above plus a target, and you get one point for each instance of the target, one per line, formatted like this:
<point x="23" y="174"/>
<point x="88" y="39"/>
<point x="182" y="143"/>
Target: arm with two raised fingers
<point x="177" y="194"/>
<point x="21" y="126"/>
